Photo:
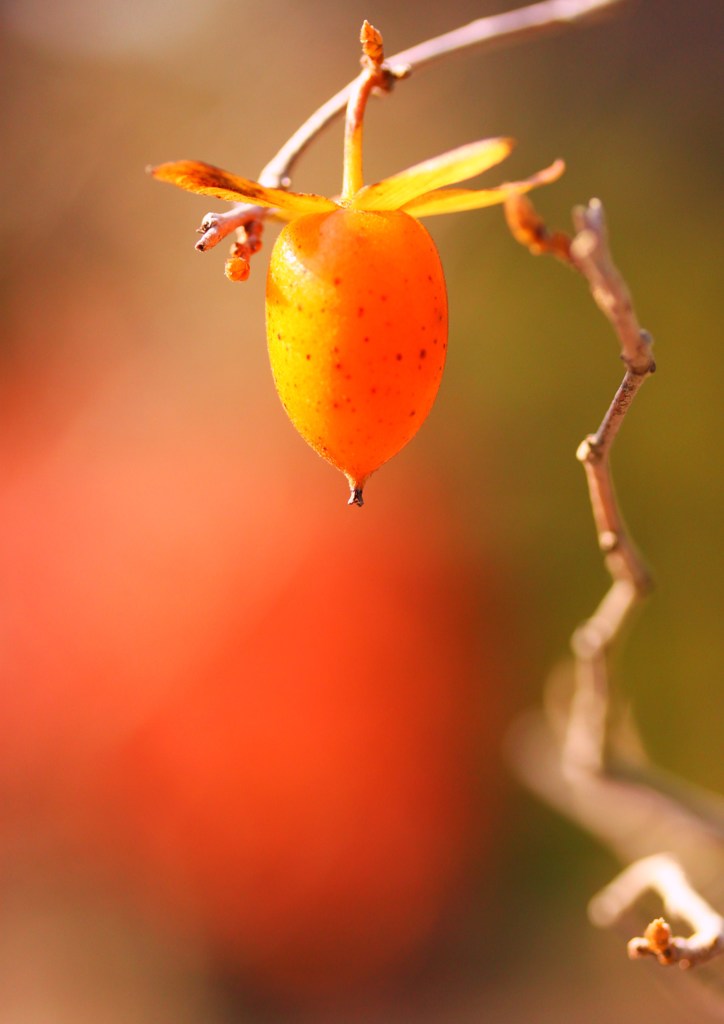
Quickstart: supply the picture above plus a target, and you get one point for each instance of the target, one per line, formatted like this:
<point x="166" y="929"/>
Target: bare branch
<point x="591" y="254"/>
<point x="498" y="29"/>
<point x="587" y="723"/>
<point x="662" y="874"/>
<point x="631" y="813"/>
<point x="621" y="557"/>
<point x="215" y="227"/>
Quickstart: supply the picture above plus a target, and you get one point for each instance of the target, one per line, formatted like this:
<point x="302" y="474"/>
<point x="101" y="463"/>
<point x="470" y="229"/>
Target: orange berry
<point x="357" y="331"/>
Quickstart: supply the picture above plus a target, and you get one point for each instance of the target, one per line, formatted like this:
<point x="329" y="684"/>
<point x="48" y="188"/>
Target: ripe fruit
<point x="356" y="303"/>
<point x="357" y="333"/>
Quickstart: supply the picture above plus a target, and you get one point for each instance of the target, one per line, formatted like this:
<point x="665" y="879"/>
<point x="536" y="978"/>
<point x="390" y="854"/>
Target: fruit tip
<point x="355" y="496"/>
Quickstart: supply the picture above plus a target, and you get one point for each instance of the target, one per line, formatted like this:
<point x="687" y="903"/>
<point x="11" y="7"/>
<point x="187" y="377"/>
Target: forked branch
<point x="628" y="814"/>
<point x="586" y="733"/>
<point x="509" y="27"/>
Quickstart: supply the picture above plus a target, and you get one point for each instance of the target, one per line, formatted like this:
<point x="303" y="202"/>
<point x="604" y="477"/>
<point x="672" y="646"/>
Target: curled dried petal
<point x="528" y="228"/>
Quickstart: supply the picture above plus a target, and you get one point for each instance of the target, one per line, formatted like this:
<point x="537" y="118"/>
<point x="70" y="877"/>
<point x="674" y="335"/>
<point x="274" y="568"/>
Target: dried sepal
<point x="207" y="180"/>
<point x="528" y="228"/>
<point x="457" y="200"/>
<point x="449" y="168"/>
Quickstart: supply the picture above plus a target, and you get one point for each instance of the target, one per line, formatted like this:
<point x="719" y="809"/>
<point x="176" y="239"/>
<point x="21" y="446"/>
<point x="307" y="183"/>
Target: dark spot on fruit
<point x="338" y="366"/>
<point x="412" y="413"/>
<point x="360" y="311"/>
<point x="366" y="338"/>
<point x="373" y="391"/>
<point x="398" y="357"/>
<point x="338" y="280"/>
<point x="423" y="353"/>
<point x="308" y="356"/>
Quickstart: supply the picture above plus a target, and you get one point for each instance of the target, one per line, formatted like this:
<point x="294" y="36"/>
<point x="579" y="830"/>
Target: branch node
<point x="608" y="541"/>
<point x="398" y="71"/>
<point x="215" y="227"/>
<point x="528" y="228"/>
<point x="589" y="450"/>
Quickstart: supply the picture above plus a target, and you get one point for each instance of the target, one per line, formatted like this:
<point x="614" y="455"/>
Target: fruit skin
<point x="357" y="332"/>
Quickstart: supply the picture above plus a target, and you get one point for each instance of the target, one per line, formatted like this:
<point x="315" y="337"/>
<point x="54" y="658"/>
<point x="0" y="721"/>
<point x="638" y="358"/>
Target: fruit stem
<point x="372" y="76"/>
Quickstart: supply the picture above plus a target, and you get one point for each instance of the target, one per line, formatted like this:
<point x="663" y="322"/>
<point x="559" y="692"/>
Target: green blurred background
<point x="157" y="506"/>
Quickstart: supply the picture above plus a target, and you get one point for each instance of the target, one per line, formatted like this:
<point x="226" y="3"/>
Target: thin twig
<point x="662" y="874"/>
<point x="508" y="27"/>
<point x="631" y="814"/>
<point x="591" y="642"/>
<point x="589" y="253"/>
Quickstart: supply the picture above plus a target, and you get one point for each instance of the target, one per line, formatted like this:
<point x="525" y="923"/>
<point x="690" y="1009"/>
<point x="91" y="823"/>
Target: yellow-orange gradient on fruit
<point x="356" y="303"/>
<point x="357" y="332"/>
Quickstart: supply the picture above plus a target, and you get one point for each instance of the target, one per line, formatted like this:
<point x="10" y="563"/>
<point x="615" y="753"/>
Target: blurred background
<point x="251" y="740"/>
